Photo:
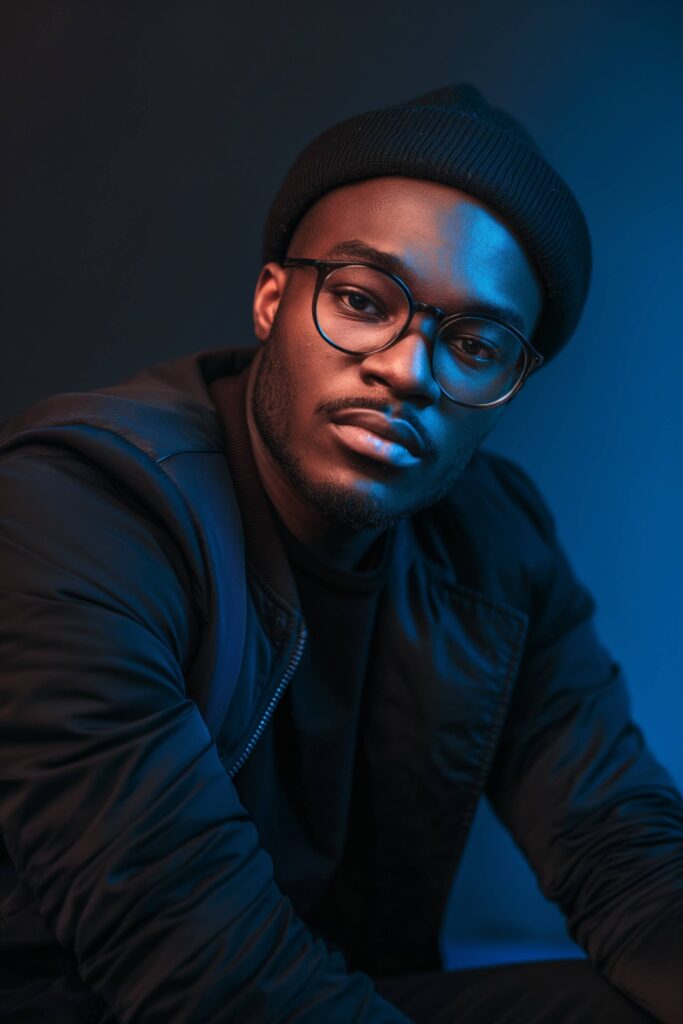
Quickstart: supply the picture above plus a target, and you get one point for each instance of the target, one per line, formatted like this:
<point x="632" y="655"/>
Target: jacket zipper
<point x="273" y="702"/>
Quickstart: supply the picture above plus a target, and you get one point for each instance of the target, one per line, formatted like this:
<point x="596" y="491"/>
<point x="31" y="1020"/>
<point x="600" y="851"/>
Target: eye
<point x="474" y="348"/>
<point x="352" y="300"/>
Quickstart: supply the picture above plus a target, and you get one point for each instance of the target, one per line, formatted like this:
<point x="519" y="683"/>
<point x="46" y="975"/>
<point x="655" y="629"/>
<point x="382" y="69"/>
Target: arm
<point x="599" y="820"/>
<point x="116" y="810"/>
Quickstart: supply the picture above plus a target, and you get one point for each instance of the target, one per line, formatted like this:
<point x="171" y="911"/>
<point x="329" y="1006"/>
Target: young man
<point x="272" y="625"/>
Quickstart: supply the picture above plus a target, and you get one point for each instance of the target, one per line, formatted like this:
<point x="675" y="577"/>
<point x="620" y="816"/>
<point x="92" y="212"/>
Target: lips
<point x="391" y="429"/>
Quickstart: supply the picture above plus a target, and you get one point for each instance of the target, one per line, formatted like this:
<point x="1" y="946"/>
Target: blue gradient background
<point x="143" y="149"/>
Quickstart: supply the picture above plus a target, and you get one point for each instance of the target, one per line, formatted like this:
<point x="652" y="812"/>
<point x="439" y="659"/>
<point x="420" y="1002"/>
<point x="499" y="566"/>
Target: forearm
<point x="601" y="822"/>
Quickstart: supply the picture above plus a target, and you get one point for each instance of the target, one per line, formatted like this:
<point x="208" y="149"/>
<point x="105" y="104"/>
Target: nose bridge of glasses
<point x="425" y="307"/>
<point x="424" y="319"/>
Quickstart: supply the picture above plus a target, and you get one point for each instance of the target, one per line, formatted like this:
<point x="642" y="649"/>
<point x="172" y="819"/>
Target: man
<point x="272" y="625"/>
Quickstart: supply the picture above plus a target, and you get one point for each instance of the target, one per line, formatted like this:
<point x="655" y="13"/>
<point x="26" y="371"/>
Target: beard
<point x="275" y="392"/>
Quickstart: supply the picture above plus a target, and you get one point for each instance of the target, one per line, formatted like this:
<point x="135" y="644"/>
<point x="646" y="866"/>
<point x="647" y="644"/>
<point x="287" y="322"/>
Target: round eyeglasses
<point x="359" y="308"/>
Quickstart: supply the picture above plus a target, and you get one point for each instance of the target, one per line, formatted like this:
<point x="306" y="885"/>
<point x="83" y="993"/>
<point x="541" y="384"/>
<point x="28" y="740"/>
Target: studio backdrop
<point x="142" y="144"/>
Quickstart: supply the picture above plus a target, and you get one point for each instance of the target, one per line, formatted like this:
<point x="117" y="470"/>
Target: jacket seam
<point x="188" y="451"/>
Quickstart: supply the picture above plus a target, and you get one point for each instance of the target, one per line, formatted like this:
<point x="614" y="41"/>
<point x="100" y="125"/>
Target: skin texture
<point x="459" y="256"/>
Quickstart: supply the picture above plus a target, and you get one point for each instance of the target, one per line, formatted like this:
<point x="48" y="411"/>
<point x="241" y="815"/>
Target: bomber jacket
<point x="147" y="633"/>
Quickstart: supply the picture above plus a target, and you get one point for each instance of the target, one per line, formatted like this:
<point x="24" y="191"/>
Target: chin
<point x="362" y="508"/>
<point x="348" y="506"/>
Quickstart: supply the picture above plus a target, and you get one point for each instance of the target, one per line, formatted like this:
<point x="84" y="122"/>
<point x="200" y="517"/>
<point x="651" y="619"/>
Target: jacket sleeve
<point x="116" y="810"/>
<point x="598" y="818"/>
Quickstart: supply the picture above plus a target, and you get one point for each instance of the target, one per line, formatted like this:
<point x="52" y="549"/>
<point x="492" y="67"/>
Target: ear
<point x="269" y="289"/>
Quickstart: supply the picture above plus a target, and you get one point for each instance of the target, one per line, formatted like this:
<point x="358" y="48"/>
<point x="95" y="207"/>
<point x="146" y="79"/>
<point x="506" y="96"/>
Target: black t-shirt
<point x="300" y="784"/>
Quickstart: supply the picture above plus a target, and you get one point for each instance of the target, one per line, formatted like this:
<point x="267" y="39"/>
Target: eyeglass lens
<point x="475" y="360"/>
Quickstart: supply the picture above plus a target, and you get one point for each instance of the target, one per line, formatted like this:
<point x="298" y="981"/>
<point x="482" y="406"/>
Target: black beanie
<point x="453" y="136"/>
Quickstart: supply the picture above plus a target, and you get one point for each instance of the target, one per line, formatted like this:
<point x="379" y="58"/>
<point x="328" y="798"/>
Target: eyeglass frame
<point x="532" y="359"/>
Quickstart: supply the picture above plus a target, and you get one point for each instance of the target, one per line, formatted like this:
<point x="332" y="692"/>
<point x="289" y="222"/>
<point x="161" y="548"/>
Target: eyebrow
<point x="354" y="249"/>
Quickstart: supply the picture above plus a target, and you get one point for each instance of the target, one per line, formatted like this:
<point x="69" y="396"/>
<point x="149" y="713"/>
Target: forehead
<point x="452" y="247"/>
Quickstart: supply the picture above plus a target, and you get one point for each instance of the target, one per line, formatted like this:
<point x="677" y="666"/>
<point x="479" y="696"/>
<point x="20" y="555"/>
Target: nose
<point x="405" y="366"/>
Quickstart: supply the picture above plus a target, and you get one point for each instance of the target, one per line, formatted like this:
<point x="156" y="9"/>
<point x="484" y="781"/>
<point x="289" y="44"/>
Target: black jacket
<point x="139" y="666"/>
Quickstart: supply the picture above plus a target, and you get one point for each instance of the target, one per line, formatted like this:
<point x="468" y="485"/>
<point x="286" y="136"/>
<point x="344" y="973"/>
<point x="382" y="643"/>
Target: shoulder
<point x="156" y="435"/>
<point x="497" y="532"/>
<point x="143" y="456"/>
<point x="160" y="410"/>
<point x="496" y="500"/>
<point x="494" y="485"/>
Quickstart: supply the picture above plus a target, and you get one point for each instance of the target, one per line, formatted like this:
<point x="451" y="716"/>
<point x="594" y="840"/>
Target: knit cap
<point x="453" y="136"/>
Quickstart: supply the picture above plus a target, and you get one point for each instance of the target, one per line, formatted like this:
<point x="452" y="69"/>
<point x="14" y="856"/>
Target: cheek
<point x="305" y="351"/>
<point x="304" y="382"/>
<point x="316" y="369"/>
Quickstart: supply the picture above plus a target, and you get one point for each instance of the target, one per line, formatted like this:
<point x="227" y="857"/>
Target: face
<point x="454" y="253"/>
